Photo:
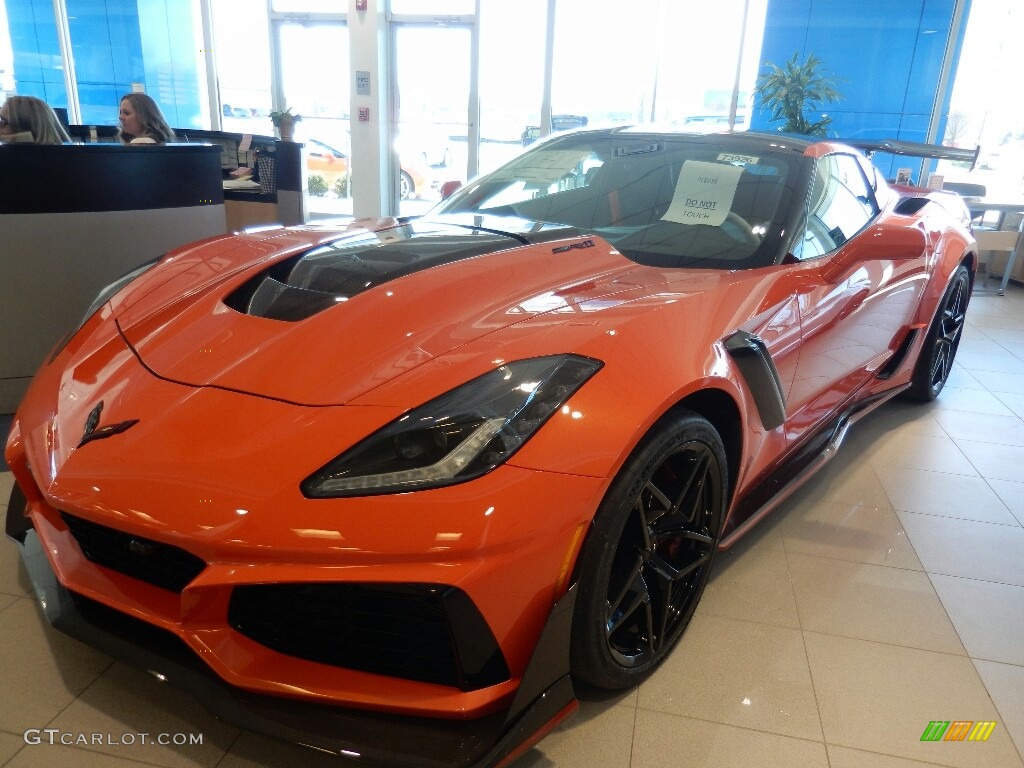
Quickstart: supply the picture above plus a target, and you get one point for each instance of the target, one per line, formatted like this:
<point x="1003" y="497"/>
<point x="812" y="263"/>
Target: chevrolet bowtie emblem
<point x="93" y="420"/>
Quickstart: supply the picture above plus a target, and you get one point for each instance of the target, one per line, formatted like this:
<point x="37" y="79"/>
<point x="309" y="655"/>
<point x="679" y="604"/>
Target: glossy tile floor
<point x="889" y="592"/>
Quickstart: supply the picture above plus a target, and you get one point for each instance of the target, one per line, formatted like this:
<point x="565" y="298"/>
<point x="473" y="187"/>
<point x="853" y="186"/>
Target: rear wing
<point x="915" y="149"/>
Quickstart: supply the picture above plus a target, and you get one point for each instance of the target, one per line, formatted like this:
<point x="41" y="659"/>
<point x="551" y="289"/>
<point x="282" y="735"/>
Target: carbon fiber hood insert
<point x="310" y="282"/>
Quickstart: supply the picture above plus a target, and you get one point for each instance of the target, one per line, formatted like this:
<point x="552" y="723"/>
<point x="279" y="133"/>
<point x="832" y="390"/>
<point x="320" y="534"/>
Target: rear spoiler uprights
<point x="915" y="149"/>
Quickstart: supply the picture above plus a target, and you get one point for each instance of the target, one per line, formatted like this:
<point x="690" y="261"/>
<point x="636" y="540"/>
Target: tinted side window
<point x="840" y="205"/>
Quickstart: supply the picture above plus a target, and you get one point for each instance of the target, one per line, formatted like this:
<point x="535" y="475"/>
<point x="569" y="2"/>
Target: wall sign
<point x="362" y="83"/>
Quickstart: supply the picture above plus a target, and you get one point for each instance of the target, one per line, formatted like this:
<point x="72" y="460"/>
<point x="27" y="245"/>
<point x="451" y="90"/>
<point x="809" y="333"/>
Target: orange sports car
<point x="415" y="179"/>
<point x="390" y="491"/>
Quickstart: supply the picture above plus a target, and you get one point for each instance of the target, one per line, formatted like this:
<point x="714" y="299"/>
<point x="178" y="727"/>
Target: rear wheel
<point x="940" y="345"/>
<point x="648" y="556"/>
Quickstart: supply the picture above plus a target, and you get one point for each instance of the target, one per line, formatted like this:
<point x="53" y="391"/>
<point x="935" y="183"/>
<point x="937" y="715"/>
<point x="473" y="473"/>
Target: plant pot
<point x="286" y="128"/>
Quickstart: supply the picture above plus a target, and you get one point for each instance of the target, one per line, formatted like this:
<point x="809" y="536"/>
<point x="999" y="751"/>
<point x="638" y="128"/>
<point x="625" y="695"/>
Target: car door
<point x="852" y="317"/>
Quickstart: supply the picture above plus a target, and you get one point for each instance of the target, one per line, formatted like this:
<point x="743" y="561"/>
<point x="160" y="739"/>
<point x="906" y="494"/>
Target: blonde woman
<point x="28" y="119"/>
<point x="142" y="122"/>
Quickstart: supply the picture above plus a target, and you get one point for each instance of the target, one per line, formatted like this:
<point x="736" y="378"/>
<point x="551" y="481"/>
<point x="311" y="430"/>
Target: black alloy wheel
<point x="649" y="553"/>
<point x="940" y="345"/>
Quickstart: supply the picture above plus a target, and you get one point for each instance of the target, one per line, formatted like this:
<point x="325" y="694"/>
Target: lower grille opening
<point x="158" y="564"/>
<point x="430" y="633"/>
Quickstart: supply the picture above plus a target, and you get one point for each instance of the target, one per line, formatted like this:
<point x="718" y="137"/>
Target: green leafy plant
<point x="795" y="89"/>
<point x="341" y="186"/>
<point x="284" y="116"/>
<point x="317" y="185"/>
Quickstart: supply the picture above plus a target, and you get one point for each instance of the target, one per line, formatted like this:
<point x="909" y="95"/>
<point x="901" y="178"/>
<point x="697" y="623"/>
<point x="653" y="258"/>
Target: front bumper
<point x="544" y="698"/>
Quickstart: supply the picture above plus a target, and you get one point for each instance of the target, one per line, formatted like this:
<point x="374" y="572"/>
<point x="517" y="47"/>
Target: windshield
<point x="669" y="201"/>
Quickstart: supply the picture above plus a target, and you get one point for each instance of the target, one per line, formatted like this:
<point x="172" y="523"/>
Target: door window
<point x="841" y="205"/>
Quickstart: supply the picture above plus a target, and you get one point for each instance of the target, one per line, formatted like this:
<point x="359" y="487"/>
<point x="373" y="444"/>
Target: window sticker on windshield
<point x="704" y="193"/>
<point x="543" y="167"/>
<point x="727" y="157"/>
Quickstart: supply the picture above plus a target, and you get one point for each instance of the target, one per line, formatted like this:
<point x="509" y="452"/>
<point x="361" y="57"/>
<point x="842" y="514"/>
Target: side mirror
<point x="888" y="243"/>
<point x="449" y="188"/>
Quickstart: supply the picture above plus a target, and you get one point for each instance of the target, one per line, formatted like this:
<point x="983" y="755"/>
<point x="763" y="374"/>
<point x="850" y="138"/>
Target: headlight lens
<point x="104" y="296"/>
<point x="458" y="436"/>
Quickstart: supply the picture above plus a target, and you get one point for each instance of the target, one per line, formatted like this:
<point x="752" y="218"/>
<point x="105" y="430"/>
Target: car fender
<point x="951" y="251"/>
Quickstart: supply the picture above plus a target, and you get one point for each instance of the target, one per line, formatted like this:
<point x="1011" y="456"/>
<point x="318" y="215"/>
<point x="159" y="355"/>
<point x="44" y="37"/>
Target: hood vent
<point x="308" y="283"/>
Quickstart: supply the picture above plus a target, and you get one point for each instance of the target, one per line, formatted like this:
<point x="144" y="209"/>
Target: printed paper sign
<point x="745" y="159"/>
<point x="704" y="193"/>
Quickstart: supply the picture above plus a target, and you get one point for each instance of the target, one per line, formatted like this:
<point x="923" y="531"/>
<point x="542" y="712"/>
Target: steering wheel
<point x="739" y="229"/>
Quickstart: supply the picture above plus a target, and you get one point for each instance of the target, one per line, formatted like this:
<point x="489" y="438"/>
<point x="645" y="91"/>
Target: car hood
<point x="322" y="321"/>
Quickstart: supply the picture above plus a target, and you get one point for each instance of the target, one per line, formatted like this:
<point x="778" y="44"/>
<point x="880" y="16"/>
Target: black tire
<point x="406" y="186"/>
<point x="935" y="361"/>
<point x="648" y="556"/>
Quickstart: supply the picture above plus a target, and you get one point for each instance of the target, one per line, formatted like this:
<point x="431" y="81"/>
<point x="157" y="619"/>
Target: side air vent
<point x="909" y="206"/>
<point x="893" y="363"/>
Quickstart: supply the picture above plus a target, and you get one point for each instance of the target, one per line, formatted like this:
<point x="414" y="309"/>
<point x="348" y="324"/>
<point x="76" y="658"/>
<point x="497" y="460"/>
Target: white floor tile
<point x="967" y="548"/>
<point x="880" y="698"/>
<point x="989" y="618"/>
<point x="871" y="602"/>
<point x="1005" y="684"/>
<point x="669" y="741"/>
<point x="848" y="532"/>
<point x="743" y="674"/>
<point x="937" y="493"/>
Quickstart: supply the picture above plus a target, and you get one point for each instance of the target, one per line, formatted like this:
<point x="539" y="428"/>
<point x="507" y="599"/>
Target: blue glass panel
<point x="888" y="56"/>
<point x="99" y="103"/>
<point x="867" y="45"/>
<point x="128" y="60"/>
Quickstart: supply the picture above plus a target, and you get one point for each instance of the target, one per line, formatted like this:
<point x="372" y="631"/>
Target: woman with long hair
<point x="26" y="118"/>
<point x="142" y="122"/>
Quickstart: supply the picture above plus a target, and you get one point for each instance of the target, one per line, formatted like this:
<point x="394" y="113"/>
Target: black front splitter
<point x="370" y="738"/>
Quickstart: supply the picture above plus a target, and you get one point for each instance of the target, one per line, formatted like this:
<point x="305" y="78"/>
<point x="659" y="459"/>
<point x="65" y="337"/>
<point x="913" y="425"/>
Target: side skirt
<point x="811" y="456"/>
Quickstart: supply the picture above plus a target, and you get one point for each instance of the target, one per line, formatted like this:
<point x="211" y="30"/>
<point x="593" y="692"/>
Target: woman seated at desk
<point x="30" y="120"/>
<point x="142" y="122"/>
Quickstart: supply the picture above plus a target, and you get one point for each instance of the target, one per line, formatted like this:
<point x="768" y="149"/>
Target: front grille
<point x="426" y="632"/>
<point x="158" y="564"/>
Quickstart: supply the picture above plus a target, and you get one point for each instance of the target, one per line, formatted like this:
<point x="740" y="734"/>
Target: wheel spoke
<point x="660" y="497"/>
<point x="669" y="573"/>
<point x="645" y="529"/>
<point x="694" y="482"/>
<point x="634" y="594"/>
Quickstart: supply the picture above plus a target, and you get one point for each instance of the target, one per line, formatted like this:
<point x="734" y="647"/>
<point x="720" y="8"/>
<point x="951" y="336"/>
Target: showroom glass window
<point x="841" y="205"/>
<point x="510" y="95"/>
<point x="240" y="31"/>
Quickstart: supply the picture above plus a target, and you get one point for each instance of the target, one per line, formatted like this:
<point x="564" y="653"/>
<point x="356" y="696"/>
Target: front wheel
<point x="407" y="188"/>
<point x="649" y="553"/>
<point x="935" y="362"/>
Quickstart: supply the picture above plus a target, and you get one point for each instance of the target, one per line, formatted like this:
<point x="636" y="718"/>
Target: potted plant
<point x="790" y="91"/>
<point x="285" y="122"/>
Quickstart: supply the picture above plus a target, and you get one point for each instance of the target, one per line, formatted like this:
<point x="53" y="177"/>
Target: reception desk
<point x="74" y="218"/>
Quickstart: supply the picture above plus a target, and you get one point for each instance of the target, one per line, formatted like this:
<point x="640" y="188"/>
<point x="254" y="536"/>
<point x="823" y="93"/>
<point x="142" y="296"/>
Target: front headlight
<point x="458" y="436"/>
<point x="104" y="296"/>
